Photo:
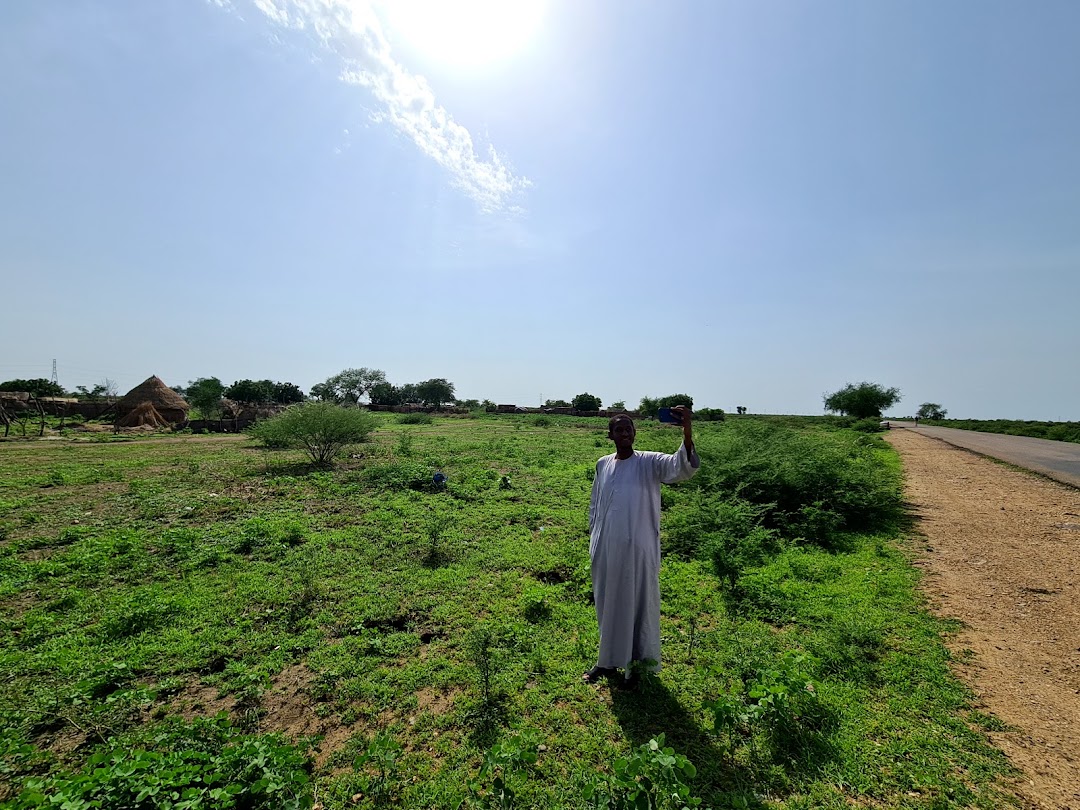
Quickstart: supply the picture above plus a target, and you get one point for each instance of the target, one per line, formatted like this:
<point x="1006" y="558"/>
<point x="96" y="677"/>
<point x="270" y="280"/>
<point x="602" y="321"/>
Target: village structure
<point x="153" y="405"/>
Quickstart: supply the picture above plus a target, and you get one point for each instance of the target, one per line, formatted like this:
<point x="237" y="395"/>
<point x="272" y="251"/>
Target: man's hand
<point x="687" y="416"/>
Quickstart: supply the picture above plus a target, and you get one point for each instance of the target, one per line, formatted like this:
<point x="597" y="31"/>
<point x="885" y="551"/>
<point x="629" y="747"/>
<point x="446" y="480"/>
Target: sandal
<point x="596" y="673"/>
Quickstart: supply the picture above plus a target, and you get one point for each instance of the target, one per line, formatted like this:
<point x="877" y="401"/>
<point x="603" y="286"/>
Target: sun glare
<point x="465" y="33"/>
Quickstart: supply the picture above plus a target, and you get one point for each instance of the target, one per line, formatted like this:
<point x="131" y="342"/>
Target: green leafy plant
<point x="506" y="765"/>
<point x="321" y="428"/>
<point x="780" y="701"/>
<point x="534" y="606"/>
<point x="652" y="777"/>
<point x="436" y="554"/>
<point x="207" y="764"/>
<point x="485" y="654"/>
<point x="377" y="768"/>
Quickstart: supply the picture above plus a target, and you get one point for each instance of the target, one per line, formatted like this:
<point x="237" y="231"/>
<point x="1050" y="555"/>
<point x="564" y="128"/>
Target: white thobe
<point x="624" y="546"/>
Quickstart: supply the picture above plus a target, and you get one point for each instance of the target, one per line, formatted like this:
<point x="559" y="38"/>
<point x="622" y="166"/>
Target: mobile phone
<point x="665" y="415"/>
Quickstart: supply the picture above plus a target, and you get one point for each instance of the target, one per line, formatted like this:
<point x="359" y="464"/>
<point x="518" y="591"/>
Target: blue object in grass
<point x="438" y="479"/>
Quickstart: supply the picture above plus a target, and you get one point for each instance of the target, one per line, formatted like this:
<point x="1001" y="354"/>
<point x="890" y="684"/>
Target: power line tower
<point x="54" y="379"/>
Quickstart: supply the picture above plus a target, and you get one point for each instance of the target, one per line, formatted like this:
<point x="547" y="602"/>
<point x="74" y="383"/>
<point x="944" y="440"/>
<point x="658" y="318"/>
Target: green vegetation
<point x="264" y="391"/>
<point x="586" y="402"/>
<point x="650" y="405"/>
<point x="931" y="410"/>
<point x="348" y="386"/>
<point x="205" y="395"/>
<point x="322" y="429"/>
<point x="1058" y="431"/>
<point x="378" y="639"/>
<point x="863" y="401"/>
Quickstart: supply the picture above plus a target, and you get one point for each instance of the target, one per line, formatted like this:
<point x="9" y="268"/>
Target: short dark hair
<point x="611" y="422"/>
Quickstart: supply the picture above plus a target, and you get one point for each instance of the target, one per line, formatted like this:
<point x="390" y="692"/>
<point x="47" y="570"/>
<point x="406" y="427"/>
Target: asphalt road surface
<point x="1057" y="460"/>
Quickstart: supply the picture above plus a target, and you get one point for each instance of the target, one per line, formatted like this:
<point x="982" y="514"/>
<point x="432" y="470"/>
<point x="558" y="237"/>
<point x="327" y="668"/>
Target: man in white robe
<point x="624" y="544"/>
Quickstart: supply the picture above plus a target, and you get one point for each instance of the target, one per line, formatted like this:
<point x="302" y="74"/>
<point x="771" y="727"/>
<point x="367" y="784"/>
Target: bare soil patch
<point x="1001" y="555"/>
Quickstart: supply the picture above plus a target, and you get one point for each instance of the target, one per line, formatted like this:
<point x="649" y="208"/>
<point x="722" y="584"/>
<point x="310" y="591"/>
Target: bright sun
<point x="466" y="33"/>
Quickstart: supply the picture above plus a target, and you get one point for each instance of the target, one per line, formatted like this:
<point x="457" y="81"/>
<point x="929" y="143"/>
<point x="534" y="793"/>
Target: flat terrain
<point x="147" y="585"/>
<point x="1057" y="460"/>
<point x="1002" y="553"/>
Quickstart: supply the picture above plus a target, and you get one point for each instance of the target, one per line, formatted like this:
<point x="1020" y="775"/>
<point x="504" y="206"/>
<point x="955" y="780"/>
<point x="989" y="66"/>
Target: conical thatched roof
<point x="154" y="391"/>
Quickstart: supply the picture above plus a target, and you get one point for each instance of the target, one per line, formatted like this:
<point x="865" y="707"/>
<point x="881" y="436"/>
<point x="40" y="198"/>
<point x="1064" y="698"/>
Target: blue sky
<point x="754" y="203"/>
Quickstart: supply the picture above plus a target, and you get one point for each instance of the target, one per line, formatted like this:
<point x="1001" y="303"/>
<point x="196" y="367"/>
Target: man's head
<point x="621" y="430"/>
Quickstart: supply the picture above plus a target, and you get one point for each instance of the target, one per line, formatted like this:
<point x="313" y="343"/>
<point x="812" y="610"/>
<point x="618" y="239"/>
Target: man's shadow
<point x="650" y="710"/>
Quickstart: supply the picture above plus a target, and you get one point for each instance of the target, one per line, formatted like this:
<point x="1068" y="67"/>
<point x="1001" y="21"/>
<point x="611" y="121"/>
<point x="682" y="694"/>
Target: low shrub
<point x="398" y="475"/>
<point x="207" y="763"/>
<point x="652" y="776"/>
<point x="321" y="428"/>
<point x="417" y="418"/>
<point x="709" y="415"/>
<point x="809" y="485"/>
<point x="872" y="425"/>
<point x="727" y="532"/>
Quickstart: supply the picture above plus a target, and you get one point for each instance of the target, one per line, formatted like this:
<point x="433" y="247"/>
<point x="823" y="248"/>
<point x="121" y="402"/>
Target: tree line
<point x="350" y="386"/>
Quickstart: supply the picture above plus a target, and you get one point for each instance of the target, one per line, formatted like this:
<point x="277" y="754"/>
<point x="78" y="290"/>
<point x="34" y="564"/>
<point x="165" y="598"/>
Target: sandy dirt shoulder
<point x="1002" y="554"/>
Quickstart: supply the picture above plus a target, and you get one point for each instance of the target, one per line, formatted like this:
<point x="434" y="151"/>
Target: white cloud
<point x="351" y="29"/>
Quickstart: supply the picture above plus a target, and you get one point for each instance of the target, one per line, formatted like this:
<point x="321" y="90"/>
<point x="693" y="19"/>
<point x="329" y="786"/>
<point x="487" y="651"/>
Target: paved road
<point x="1057" y="460"/>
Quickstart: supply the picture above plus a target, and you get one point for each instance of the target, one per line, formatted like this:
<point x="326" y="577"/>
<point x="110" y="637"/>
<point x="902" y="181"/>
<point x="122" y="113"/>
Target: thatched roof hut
<point x="169" y="405"/>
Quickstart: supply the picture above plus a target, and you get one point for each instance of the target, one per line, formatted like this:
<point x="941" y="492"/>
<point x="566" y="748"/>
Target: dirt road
<point x="1002" y="554"/>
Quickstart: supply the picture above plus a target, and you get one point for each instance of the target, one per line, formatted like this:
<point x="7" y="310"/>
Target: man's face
<point x="622" y="433"/>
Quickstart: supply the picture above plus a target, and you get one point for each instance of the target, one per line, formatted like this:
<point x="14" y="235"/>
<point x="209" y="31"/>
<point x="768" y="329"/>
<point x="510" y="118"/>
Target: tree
<point x="385" y="393"/>
<point x="931" y="410"/>
<point x="671" y="400"/>
<point x="323" y="429"/>
<point x="250" y="391"/>
<point x="863" y="401"/>
<point x="205" y="394"/>
<point x="586" y="402"/>
<point x="556" y="403"/>
<point x="650" y="405"/>
<point x="39" y="387"/>
<point x="348" y="386"/>
<point x="103" y="390"/>
<point x="286" y="393"/>
<point x="435" y="392"/>
<point x="618" y="405"/>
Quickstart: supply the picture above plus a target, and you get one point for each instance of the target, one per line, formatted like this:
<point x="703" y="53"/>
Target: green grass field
<point x="199" y="622"/>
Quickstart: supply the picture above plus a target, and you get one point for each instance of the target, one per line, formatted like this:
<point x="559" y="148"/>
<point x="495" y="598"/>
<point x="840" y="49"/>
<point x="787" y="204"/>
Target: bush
<point x="808" y="485"/>
<point x="321" y="428"/>
<point x="727" y="532"/>
<point x="867" y="425"/>
<point x="418" y="418"/>
<point x="205" y="764"/>
<point x="709" y="415"/>
<point x="398" y="475"/>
